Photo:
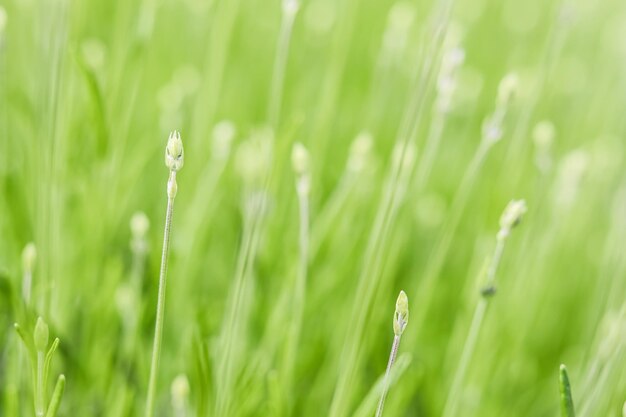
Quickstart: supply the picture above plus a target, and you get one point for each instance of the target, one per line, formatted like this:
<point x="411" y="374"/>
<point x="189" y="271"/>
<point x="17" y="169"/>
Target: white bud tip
<point x="291" y="7"/>
<point x="180" y="391"/>
<point x="139" y="224"/>
<point x="512" y="215"/>
<point x="300" y="159"/>
<point x="174" y="152"/>
<point x="223" y="136"/>
<point x="544" y="133"/>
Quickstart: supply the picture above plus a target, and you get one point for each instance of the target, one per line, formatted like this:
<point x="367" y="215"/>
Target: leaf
<point x="567" y="404"/>
<point x="56" y="397"/>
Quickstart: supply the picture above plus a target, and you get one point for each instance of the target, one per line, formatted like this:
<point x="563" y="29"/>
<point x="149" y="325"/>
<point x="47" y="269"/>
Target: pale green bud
<point x="543" y="134"/>
<point x="41" y="335"/>
<point x="180" y="392"/>
<point x="511" y="217"/>
<point x="174" y="152"/>
<point x="401" y="316"/>
<point x="291" y="7"/>
<point x="300" y="159"/>
<point x="223" y="135"/>
<point x="139" y="224"/>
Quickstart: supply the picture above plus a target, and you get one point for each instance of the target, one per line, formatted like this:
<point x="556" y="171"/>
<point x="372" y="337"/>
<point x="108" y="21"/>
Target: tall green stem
<point x="174" y="158"/>
<point x="158" y="328"/>
<point x="392" y="359"/>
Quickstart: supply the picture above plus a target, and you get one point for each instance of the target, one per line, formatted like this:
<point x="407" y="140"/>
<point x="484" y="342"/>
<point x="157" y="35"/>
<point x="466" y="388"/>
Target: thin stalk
<point x="392" y="359"/>
<point x="299" y="294"/>
<point x="369" y="401"/>
<point x="385" y="215"/>
<point x="174" y="158"/>
<point x="510" y="218"/>
<point x="424" y="167"/>
<point x="280" y="63"/>
<point x="233" y="321"/>
<point x="468" y="351"/>
<point x="400" y="320"/>
<point x="437" y="259"/>
<point x="158" y="328"/>
<point x="40" y="401"/>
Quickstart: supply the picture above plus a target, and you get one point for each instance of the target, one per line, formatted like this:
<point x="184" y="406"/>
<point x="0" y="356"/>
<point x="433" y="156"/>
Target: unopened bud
<point x="223" y="135"/>
<point x="401" y="316"/>
<point x="291" y="7"/>
<point x="180" y="392"/>
<point x="139" y="224"/>
<point x="174" y="152"/>
<point x="41" y="335"/>
<point x="543" y="134"/>
<point x="300" y="159"/>
<point x="511" y="217"/>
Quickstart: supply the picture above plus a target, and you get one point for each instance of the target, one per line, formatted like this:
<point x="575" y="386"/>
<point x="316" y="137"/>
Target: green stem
<point x="278" y="74"/>
<point x="39" y="386"/>
<point x="472" y="337"/>
<point x="299" y="295"/>
<point x="392" y="359"/>
<point x="158" y="328"/>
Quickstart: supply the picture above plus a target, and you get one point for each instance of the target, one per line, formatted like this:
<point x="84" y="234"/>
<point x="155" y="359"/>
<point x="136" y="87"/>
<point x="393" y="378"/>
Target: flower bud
<point x="223" y="135"/>
<point x="41" y="335"/>
<point x="511" y="217"/>
<point x="180" y="392"/>
<point x="401" y="316"/>
<point x="174" y="152"/>
<point x="300" y="159"/>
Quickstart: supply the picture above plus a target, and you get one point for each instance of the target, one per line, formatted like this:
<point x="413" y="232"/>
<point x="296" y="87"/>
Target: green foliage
<point x="415" y="123"/>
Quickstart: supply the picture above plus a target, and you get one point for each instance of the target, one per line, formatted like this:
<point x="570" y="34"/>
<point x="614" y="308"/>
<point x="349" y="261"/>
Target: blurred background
<point x="421" y="121"/>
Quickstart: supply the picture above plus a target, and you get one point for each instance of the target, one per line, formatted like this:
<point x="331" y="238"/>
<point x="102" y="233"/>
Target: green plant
<point x="511" y="217"/>
<point x="40" y="358"/>
<point x="174" y="160"/>
<point x="567" y="403"/>
<point x="400" y="320"/>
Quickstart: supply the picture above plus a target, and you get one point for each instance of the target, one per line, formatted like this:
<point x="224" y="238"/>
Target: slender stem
<point x="280" y="63"/>
<point x="392" y="359"/>
<point x="299" y="295"/>
<point x="437" y="259"/>
<point x="424" y="168"/>
<point x="468" y="351"/>
<point x="234" y="320"/>
<point x="39" y="386"/>
<point x="472" y="337"/>
<point x="158" y="328"/>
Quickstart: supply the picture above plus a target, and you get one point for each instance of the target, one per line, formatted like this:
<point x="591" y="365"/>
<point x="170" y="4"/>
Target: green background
<point x="89" y="91"/>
